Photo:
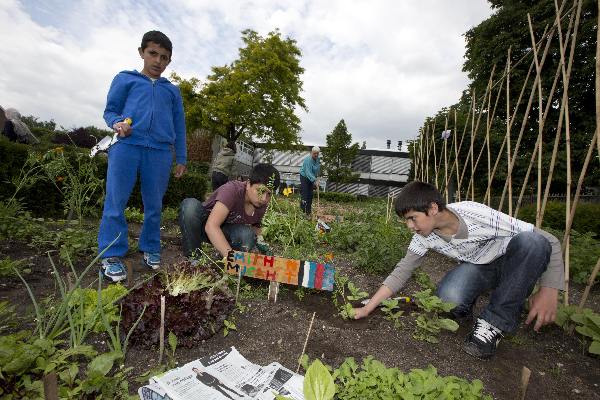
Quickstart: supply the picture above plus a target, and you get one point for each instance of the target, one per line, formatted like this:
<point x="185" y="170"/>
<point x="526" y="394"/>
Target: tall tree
<point x="255" y="96"/>
<point x="339" y="153"/>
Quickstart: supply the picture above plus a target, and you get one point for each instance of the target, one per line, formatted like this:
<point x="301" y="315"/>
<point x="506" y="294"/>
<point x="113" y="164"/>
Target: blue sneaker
<point x="114" y="269"/>
<point x="152" y="260"/>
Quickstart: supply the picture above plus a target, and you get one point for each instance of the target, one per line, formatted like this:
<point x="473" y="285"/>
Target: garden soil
<point x="267" y="332"/>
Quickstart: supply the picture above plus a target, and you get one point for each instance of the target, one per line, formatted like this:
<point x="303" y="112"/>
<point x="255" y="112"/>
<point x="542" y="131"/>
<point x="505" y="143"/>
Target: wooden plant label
<point x="309" y="274"/>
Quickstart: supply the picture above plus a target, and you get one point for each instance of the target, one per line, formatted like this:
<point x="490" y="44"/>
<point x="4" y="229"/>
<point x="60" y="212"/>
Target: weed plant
<point x="344" y="294"/>
<point x="429" y="322"/>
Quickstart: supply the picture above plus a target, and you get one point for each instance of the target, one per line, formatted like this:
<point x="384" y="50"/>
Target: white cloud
<point x="381" y="65"/>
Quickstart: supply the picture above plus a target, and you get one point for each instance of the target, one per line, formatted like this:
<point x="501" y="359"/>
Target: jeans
<point x="512" y="278"/>
<point x="306" y="194"/>
<point x="192" y="221"/>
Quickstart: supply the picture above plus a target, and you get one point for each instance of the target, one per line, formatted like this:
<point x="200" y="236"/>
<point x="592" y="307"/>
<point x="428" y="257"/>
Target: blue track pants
<point x="125" y="163"/>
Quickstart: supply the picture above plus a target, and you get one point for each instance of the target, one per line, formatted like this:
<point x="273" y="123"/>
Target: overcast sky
<point x="382" y="66"/>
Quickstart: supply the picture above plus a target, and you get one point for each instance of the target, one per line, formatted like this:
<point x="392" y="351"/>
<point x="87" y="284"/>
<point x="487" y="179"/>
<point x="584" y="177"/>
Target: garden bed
<point x="269" y="332"/>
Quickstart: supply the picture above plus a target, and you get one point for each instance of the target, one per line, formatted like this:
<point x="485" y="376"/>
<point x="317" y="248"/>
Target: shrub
<point x="80" y="137"/>
<point x="337" y="197"/>
<point x="586" y="219"/>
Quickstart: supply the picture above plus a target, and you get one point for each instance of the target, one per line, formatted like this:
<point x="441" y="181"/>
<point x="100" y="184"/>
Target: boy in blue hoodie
<point x="146" y="111"/>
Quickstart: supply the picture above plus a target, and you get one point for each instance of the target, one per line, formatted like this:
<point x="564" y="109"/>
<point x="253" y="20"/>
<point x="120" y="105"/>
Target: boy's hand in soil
<point x="361" y="312"/>
<point x="542" y="307"/>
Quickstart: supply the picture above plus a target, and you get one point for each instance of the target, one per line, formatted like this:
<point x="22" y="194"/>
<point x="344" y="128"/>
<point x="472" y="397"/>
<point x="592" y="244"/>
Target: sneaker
<point x="152" y="260"/>
<point x="483" y="340"/>
<point x="114" y="269"/>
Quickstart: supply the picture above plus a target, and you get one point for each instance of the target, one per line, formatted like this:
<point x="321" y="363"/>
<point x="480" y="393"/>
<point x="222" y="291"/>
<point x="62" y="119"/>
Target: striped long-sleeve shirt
<point x="482" y="237"/>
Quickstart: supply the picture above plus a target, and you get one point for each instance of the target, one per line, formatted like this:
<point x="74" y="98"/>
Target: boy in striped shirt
<point x="495" y="251"/>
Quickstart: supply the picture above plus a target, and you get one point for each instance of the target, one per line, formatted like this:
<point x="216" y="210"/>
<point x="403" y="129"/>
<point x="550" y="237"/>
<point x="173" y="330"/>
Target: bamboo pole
<point x="161" y="332"/>
<point x="561" y="113"/>
<point x="527" y="110"/>
<point x="589" y="285"/>
<point x="508" y="118"/>
<point x="488" y="126"/>
<point x="446" y="161"/>
<point x="435" y="169"/>
<point x="471" y="149"/>
<point x="306" y="340"/>
<point x="455" y="139"/>
<point x="566" y="238"/>
<point x="427" y="158"/>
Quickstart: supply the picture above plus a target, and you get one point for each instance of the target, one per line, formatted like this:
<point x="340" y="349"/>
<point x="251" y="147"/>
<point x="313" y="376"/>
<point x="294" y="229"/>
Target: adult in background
<point x="308" y="179"/>
<point x="224" y="164"/>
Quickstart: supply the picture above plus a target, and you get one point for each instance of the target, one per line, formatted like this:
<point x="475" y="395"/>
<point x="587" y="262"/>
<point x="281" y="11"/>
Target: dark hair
<point x="159" y="38"/>
<point x="265" y="174"/>
<point x="418" y="196"/>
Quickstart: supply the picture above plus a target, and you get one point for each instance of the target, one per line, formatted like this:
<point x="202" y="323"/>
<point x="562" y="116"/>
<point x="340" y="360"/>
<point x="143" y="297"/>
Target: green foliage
<point x="229" y="326"/>
<point x="373" y="380"/>
<point x="134" y="214"/>
<point x="8" y="317"/>
<point x="70" y="239"/>
<point x="584" y="251"/>
<point x="344" y="293"/>
<point x="25" y="359"/>
<point x="586" y="219"/>
<point x="423" y="279"/>
<point x="17" y="224"/>
<point x="429" y="323"/>
<point x="255" y="96"/>
<point x="84" y="303"/>
<point x="339" y="153"/>
<point x="8" y="267"/>
<point x="392" y="312"/>
<point x="318" y="382"/>
<point x="586" y="321"/>
<point x="338" y="197"/>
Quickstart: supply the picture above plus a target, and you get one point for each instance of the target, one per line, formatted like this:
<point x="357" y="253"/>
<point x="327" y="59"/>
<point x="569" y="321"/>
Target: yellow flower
<point x="58" y="149"/>
<point x="287" y="191"/>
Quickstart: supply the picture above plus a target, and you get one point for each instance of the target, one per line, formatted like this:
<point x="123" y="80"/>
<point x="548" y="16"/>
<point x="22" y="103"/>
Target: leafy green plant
<point x="392" y="312"/>
<point x="133" y="214"/>
<point x="180" y="279"/>
<point x="229" y="326"/>
<point x="423" y="279"/>
<point x="8" y="267"/>
<point x="587" y="323"/>
<point x="8" y="317"/>
<point x="429" y="323"/>
<point x="372" y="380"/>
<point x="345" y="292"/>
<point x="72" y="241"/>
<point x="169" y="214"/>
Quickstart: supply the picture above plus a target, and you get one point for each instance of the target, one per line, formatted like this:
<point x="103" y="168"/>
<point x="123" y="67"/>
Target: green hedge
<point x="337" y="197"/>
<point x="587" y="216"/>
<point x="44" y="199"/>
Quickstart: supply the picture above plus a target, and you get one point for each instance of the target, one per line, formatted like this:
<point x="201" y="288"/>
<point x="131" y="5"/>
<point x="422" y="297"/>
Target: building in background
<point x="381" y="171"/>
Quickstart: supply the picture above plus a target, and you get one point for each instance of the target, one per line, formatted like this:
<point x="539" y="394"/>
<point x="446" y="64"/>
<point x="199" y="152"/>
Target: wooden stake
<point x="525" y="375"/>
<point x="273" y="291"/>
<point x="446" y="161"/>
<point x="586" y="292"/>
<point x="161" y="348"/>
<point x="50" y="386"/>
<point x="508" y="131"/>
<point x="306" y="341"/>
<point x="237" y="290"/>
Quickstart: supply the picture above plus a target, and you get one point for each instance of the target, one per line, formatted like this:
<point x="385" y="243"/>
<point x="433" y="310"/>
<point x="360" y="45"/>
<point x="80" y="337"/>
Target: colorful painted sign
<point x="309" y="274"/>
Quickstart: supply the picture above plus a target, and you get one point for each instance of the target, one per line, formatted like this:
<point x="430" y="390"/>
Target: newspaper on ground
<point x="226" y="375"/>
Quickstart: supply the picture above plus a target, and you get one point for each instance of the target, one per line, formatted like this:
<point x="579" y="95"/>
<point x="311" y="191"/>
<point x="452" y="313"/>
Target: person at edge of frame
<point x="496" y="252"/>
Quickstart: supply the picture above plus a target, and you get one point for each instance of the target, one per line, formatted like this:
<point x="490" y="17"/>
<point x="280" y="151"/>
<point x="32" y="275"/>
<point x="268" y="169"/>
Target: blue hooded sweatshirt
<point x="156" y="109"/>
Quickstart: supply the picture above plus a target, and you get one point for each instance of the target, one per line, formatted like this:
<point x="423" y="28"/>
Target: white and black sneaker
<point x="483" y="340"/>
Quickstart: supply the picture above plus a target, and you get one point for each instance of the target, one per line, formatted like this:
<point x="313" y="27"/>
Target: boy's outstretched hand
<point x="360" y="312"/>
<point x="180" y="170"/>
<point x="542" y="307"/>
